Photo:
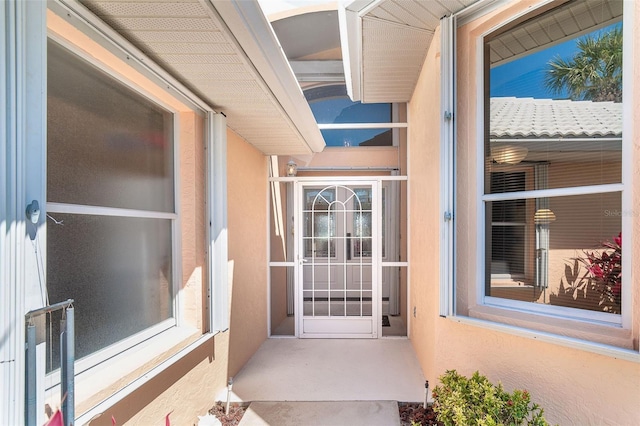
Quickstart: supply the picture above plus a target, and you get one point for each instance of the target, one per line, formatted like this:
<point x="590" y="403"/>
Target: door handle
<point x="348" y="245"/>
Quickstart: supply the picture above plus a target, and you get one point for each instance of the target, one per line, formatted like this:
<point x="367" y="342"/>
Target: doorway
<point x="337" y="258"/>
<point x="336" y="268"/>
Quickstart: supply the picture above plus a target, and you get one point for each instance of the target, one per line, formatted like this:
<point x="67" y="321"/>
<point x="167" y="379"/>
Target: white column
<point x="217" y="201"/>
<point x="447" y="158"/>
<point x="22" y="179"/>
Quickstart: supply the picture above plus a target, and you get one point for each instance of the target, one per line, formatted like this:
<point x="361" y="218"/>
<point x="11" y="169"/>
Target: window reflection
<point x="549" y="127"/>
<point x="331" y="105"/>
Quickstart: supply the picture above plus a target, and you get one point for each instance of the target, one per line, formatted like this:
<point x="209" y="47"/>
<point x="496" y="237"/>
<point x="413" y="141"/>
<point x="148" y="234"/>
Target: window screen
<point x="110" y="156"/>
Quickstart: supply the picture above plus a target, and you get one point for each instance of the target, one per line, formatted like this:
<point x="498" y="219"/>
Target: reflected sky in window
<point x="524" y="77"/>
<point x="331" y="105"/>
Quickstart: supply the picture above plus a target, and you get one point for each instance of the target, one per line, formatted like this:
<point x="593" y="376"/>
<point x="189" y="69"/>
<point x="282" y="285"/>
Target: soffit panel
<point x="396" y="35"/>
<point x="392" y="59"/>
<point x="425" y="15"/>
<point x="192" y="44"/>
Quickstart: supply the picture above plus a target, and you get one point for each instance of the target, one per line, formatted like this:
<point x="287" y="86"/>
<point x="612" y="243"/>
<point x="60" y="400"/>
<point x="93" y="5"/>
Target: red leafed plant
<point x="605" y="270"/>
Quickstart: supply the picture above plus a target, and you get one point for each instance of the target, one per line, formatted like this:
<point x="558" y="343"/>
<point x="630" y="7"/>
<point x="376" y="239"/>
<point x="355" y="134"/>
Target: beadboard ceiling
<point x="225" y="52"/>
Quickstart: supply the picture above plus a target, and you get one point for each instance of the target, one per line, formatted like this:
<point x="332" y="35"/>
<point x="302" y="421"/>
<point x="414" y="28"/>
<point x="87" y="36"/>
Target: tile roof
<point x="545" y="118"/>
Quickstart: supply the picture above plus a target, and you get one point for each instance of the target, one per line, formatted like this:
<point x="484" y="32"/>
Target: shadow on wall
<point x="594" y="280"/>
<point x="582" y="291"/>
<point x="123" y="411"/>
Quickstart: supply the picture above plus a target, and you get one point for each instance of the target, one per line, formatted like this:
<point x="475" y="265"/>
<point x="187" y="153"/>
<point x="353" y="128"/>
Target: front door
<point x="337" y="268"/>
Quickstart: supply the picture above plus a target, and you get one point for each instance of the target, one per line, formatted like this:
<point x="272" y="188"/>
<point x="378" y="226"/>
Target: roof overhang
<point x="225" y="52"/>
<point x="385" y="42"/>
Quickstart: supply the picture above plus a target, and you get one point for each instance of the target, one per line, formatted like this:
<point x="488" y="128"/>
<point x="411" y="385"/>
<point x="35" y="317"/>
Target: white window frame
<point x="67" y="208"/>
<point x="562" y="312"/>
<point x="448" y="183"/>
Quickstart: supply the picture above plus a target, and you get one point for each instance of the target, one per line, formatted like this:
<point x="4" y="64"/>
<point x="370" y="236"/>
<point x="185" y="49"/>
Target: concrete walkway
<point x="328" y="382"/>
<point x="329" y="413"/>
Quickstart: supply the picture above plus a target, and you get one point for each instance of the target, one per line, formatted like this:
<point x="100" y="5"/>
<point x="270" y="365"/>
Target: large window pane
<point x="556" y="95"/>
<point x="553" y="120"/>
<point x="574" y="243"/>
<point x="107" y="145"/>
<point x="118" y="270"/>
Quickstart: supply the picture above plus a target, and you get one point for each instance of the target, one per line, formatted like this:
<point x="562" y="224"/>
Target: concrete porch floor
<point x="288" y="369"/>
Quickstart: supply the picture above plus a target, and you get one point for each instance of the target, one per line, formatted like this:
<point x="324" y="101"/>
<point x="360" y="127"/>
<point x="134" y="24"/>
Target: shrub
<point x="476" y="401"/>
<point x="605" y="268"/>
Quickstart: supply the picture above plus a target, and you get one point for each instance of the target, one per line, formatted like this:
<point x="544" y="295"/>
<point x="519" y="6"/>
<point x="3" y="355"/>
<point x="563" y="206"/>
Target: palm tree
<point x="595" y="71"/>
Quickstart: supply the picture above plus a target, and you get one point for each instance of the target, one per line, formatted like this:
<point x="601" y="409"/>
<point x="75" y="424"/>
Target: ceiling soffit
<point x="226" y="53"/>
<point x="392" y="59"/>
<point x="386" y="42"/>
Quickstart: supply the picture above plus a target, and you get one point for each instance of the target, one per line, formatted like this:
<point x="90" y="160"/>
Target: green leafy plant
<point x="594" y="281"/>
<point x="595" y="71"/>
<point x="459" y="400"/>
<point x="605" y="269"/>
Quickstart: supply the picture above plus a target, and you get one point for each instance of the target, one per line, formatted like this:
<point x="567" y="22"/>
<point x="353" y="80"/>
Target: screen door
<point x="337" y="266"/>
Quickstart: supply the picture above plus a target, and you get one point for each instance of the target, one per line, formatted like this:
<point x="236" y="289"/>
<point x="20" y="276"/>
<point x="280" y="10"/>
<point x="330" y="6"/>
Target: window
<point x="362" y="223"/>
<point x="347" y="123"/>
<point x="111" y="201"/>
<point x="508" y="229"/>
<point x="552" y="160"/>
<point x="320" y="223"/>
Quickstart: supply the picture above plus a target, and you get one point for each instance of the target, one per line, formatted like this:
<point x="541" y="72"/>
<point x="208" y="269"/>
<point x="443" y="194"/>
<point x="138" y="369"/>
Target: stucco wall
<point x="248" y="197"/>
<point x="350" y="157"/>
<point x="423" y="158"/>
<point x="574" y="386"/>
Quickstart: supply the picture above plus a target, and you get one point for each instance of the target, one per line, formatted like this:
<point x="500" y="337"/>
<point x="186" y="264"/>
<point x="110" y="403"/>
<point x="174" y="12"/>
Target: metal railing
<point x="67" y="359"/>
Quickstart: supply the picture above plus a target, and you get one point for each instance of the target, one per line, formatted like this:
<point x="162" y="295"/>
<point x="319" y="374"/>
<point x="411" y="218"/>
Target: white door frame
<point x="342" y="327"/>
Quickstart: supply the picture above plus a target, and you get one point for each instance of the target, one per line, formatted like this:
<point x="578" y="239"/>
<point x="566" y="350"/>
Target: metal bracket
<point x="448" y="216"/>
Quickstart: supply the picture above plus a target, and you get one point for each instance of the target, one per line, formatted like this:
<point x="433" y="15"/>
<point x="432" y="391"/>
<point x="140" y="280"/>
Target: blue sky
<point x="523" y="78"/>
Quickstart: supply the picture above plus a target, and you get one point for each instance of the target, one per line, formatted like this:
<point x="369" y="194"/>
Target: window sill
<point x="605" y="340"/>
<point x="100" y="387"/>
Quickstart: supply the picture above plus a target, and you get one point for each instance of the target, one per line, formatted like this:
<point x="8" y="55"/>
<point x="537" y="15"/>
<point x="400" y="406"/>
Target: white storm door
<point x="338" y="263"/>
